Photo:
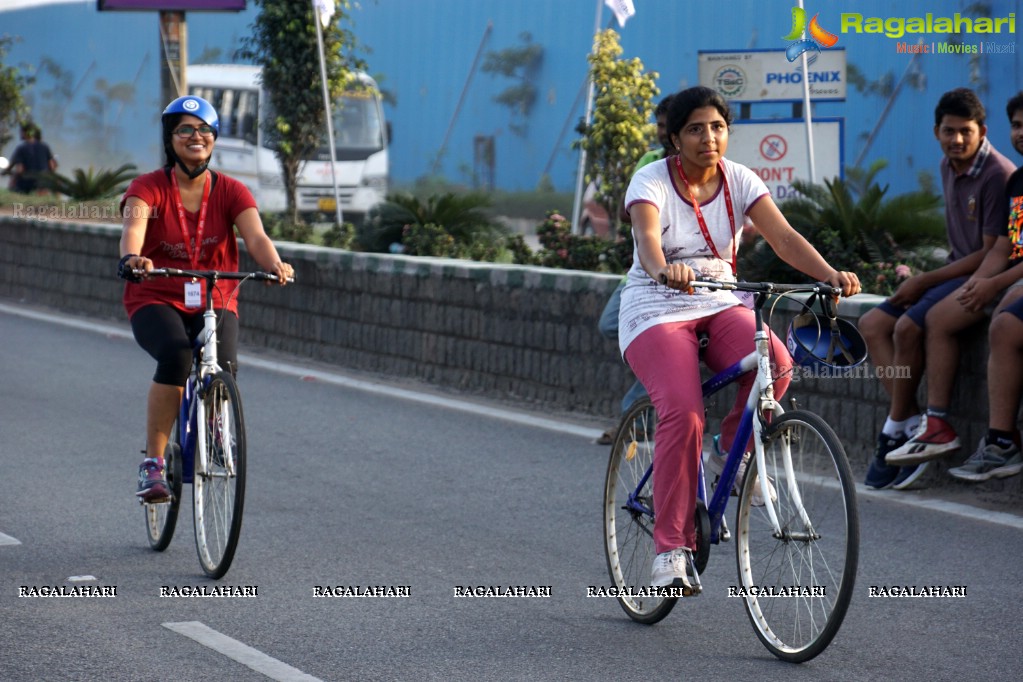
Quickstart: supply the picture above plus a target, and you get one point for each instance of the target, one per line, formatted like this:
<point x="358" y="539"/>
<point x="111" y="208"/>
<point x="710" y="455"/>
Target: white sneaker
<point x="715" y="463"/>
<point x="671" y="569"/>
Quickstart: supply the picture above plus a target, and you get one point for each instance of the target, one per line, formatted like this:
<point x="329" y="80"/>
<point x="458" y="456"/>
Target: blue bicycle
<point x="797" y="528"/>
<point x="207" y="445"/>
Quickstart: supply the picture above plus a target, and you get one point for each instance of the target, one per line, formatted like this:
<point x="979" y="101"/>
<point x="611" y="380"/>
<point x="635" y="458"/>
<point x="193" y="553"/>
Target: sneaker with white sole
<point x="909" y="476"/>
<point x="933" y="438"/>
<point x="673" y="569"/>
<point x="152" y="488"/>
<point x="989" y="461"/>
<point x="879" y="474"/>
<point x="715" y="463"/>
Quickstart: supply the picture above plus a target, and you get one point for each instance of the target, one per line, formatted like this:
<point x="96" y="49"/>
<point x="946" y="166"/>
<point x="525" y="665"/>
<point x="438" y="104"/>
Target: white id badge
<point x="745" y="297"/>
<point x="193" y="295"/>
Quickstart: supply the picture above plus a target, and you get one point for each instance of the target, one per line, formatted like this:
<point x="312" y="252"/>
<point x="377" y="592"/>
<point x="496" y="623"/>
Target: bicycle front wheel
<point x="629" y="516"/>
<point x="162" y="518"/>
<point x="218" y="491"/>
<point x="797" y="579"/>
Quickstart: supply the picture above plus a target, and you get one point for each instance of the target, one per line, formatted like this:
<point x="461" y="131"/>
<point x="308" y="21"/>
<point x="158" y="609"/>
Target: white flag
<point x="325" y="10"/>
<point x="622" y="10"/>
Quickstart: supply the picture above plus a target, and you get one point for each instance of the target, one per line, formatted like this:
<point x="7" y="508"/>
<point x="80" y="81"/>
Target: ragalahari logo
<point x="818" y="36"/>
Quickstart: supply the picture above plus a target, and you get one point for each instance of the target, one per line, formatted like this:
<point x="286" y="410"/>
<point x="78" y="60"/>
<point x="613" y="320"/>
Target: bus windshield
<point x="358" y="128"/>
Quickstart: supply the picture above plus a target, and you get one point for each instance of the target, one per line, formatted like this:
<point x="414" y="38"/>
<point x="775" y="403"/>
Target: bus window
<point x="247" y="115"/>
<point x="357" y="123"/>
<point x="228" y="114"/>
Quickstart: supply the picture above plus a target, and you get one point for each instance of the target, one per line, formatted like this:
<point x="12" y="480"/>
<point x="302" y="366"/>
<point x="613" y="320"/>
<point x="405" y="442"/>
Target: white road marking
<point x="243" y="653"/>
<point x="337" y="379"/>
<point x="8" y="540"/>
<point x="956" y="508"/>
<point x="415" y="396"/>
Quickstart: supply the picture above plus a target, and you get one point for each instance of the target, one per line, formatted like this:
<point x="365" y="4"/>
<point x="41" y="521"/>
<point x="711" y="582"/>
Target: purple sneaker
<point x="153" y="487"/>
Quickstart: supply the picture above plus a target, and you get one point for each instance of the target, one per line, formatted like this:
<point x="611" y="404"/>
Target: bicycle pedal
<point x="693" y="590"/>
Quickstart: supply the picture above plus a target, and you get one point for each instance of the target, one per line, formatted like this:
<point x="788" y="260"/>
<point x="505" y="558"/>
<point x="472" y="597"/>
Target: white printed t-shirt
<point x="646" y="303"/>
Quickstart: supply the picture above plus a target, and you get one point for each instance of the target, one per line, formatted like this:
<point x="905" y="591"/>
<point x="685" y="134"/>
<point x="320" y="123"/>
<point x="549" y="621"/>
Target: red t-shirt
<point x="165" y="240"/>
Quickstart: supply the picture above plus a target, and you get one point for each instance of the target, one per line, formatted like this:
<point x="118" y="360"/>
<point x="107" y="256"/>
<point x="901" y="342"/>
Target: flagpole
<point x="326" y="108"/>
<point x="807" y="116"/>
<point x="580" y="171"/>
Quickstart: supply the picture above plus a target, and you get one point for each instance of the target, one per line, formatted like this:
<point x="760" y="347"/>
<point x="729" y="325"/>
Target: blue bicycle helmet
<point x="821" y="342"/>
<point x="194" y="106"/>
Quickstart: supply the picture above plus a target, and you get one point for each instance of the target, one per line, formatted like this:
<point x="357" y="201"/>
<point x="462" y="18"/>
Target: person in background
<point x="608" y="324"/>
<point x="32" y="158"/>
<point x="973" y="175"/>
<point x="998" y="453"/>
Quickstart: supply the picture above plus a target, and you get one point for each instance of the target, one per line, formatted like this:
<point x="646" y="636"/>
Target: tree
<point x="283" y="42"/>
<point x="855" y="228"/>
<point x="522" y="65"/>
<point x="621" y="129"/>
<point x="12" y="106"/>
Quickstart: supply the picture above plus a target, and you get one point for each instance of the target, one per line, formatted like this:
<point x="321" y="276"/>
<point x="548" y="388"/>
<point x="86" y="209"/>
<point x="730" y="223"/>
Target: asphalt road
<point x="355" y="487"/>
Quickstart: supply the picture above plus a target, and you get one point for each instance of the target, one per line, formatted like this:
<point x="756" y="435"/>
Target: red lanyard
<point x="196" y="250"/>
<point x="699" y="213"/>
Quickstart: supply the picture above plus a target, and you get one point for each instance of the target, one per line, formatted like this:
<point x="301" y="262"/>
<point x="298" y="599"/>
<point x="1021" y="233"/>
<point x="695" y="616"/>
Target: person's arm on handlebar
<point x="133" y="235"/>
<point x="794" y="249"/>
<point x="647" y="229"/>
<point x="260" y="247"/>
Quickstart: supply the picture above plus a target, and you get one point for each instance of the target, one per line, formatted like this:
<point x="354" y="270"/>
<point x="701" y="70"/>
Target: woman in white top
<point x="687" y="215"/>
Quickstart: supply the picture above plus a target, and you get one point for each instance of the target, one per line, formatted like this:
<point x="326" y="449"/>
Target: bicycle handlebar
<point x="209" y="274"/>
<point x="819" y="288"/>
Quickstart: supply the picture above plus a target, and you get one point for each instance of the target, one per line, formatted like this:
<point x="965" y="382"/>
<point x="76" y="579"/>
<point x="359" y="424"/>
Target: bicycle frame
<point x="211" y="444"/>
<point x="795" y="470"/>
<point x="760" y="403"/>
<point x="205" y="351"/>
<point x="191" y="428"/>
<point x="760" y="406"/>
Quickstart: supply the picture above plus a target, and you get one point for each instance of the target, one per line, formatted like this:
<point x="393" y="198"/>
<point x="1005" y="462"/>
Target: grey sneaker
<point x="673" y="569"/>
<point x="989" y="461"/>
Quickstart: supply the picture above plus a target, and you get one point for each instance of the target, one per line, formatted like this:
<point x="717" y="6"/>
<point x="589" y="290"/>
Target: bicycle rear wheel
<point x="218" y="491"/>
<point x="629" y="524"/>
<point x="797" y="584"/>
<point x="162" y="518"/>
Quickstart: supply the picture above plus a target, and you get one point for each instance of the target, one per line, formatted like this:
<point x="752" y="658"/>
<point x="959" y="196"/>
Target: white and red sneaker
<point x="934" y="438"/>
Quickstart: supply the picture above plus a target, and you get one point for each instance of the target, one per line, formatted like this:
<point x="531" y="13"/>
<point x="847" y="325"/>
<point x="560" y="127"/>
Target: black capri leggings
<point x="167" y="334"/>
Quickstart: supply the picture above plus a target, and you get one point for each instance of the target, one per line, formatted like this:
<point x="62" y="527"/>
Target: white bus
<point x="360" y="138"/>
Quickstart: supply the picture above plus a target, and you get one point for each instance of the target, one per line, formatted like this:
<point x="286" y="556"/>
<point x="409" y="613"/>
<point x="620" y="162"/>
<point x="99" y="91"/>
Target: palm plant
<point x="90" y="184"/>
<point x="855" y="228"/>
<point x="463" y="217"/>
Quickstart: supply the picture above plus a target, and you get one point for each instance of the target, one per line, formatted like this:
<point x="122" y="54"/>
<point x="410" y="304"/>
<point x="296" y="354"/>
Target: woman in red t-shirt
<point x="184" y="216"/>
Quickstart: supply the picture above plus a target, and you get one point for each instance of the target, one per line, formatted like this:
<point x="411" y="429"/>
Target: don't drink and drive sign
<point x="778" y="151"/>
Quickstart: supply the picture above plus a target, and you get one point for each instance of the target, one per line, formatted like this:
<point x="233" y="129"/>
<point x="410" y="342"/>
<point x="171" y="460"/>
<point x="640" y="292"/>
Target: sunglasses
<point x="186" y="131"/>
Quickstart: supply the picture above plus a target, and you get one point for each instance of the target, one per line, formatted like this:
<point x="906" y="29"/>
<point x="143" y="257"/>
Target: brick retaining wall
<point x="521" y="334"/>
